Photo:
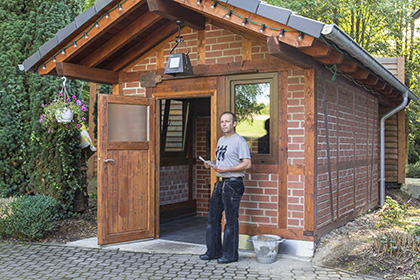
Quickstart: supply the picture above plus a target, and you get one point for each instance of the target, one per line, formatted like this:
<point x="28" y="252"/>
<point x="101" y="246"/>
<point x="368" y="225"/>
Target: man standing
<point x="232" y="159"/>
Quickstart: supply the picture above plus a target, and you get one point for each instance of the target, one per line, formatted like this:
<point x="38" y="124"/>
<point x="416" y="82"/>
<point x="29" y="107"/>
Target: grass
<point x="256" y="129"/>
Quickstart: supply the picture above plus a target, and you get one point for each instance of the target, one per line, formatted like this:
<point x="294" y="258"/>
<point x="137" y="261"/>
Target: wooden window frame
<point x="273" y="79"/>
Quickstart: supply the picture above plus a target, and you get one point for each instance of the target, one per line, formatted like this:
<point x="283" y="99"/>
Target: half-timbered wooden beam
<point x="87" y="73"/>
<point x="173" y="11"/>
<point x="120" y="39"/>
<point x="288" y="53"/>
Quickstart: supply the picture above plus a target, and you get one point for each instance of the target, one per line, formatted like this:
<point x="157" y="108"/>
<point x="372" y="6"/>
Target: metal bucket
<point x="266" y="247"/>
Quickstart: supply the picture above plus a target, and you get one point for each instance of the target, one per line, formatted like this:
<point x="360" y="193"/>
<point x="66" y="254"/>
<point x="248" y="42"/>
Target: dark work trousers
<point x="226" y="197"/>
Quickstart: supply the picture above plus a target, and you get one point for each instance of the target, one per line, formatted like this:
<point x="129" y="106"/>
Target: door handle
<point x="108" y="160"/>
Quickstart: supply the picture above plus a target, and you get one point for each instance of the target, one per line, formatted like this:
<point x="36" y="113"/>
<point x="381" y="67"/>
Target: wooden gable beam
<point x="371" y="80"/>
<point x="348" y="66"/>
<point x="120" y="39"/>
<point x="319" y="49"/>
<point x="360" y="74"/>
<point x="334" y="57"/>
<point x="87" y="73"/>
<point x="173" y="11"/>
<point x="104" y="24"/>
<point x="291" y="36"/>
<point x="161" y="36"/>
<point x="380" y="85"/>
<point x="288" y="53"/>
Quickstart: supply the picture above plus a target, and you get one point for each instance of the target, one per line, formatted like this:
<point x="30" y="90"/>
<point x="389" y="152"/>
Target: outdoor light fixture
<point x="214" y="5"/>
<point x="300" y="37"/>
<point x="229" y="14"/>
<point x="179" y="63"/>
<point x="244" y="22"/>
<point x="198" y="2"/>
<point x="281" y="35"/>
<point x="86" y="36"/>
<point x="262" y="28"/>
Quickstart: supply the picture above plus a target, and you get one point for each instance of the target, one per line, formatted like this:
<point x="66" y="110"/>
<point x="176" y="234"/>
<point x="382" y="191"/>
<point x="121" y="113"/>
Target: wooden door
<point x="126" y="168"/>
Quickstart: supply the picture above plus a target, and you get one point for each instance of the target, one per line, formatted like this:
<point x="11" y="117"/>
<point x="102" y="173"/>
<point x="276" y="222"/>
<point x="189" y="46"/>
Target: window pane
<point x="127" y="122"/>
<point x="252" y="107"/>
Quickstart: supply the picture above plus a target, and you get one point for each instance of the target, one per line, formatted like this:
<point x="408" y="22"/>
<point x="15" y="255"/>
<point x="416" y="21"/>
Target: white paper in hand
<point x="208" y="162"/>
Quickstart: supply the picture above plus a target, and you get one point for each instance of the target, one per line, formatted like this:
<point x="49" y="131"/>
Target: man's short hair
<point x="234" y="119"/>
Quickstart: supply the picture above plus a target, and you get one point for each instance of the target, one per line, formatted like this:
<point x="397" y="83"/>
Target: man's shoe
<point x="205" y="257"/>
<point x="224" y="260"/>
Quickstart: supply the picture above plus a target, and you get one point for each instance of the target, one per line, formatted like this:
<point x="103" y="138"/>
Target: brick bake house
<point x="312" y="105"/>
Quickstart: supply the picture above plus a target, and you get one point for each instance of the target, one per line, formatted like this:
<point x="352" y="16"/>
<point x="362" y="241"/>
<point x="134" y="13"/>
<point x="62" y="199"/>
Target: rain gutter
<point x="333" y="33"/>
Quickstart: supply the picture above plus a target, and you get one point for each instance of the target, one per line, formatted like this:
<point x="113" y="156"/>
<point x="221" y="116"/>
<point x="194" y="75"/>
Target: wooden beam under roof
<point x="288" y="53"/>
<point x="121" y="39"/>
<point x="87" y="73"/>
<point x="143" y="48"/>
<point x="174" y="11"/>
<point x="105" y="24"/>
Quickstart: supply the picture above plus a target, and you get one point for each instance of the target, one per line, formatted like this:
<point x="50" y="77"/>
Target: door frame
<point x="183" y="94"/>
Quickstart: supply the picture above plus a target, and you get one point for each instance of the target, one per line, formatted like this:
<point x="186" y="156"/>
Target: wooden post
<point x="92" y="164"/>
<point x="310" y="151"/>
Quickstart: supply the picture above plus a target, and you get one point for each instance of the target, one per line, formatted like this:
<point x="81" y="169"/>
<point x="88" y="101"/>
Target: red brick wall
<point x="173" y="184"/>
<point x="202" y="175"/>
<point x="353" y="126"/>
<point x="296" y="148"/>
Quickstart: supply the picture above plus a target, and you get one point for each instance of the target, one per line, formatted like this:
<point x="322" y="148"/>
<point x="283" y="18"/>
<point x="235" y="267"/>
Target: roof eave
<point x="333" y="33"/>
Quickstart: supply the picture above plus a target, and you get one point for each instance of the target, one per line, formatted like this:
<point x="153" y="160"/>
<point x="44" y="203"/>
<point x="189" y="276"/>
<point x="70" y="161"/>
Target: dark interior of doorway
<point x="179" y="220"/>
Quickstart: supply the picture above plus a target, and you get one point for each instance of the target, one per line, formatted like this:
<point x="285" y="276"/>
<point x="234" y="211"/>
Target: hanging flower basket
<point x="63" y="113"/>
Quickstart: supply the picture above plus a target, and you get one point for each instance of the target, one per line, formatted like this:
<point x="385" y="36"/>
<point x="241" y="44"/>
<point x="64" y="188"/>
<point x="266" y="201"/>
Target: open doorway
<point x="184" y="182"/>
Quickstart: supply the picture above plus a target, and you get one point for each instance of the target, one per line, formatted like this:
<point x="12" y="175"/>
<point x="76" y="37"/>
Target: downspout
<point x="382" y="151"/>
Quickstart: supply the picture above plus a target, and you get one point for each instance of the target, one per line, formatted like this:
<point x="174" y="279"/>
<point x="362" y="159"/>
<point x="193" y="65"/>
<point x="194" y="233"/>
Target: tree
<point x="31" y="160"/>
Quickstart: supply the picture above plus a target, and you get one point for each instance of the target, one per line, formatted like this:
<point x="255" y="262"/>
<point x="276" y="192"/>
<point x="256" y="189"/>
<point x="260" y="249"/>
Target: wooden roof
<point x="113" y="35"/>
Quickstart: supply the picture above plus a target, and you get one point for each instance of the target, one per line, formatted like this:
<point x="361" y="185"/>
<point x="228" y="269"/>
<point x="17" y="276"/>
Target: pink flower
<point x="78" y="125"/>
<point x="74" y="97"/>
<point x="61" y="94"/>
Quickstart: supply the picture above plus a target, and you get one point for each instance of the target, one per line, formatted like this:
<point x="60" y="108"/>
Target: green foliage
<point x="393" y="212"/>
<point x="413" y="170"/>
<point x="246" y="101"/>
<point x="28" y="217"/>
<point x="31" y="159"/>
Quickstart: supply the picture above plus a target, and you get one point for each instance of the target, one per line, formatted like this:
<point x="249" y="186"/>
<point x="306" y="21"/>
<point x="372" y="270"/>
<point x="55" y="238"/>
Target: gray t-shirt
<point x="229" y="152"/>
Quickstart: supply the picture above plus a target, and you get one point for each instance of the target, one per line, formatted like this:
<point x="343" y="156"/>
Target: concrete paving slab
<point x="151" y="246"/>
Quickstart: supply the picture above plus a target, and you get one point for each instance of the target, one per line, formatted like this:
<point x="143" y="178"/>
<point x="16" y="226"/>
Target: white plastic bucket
<point x="266" y="247"/>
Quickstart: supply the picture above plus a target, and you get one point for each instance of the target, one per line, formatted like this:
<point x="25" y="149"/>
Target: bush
<point x="28" y="217"/>
<point x="413" y="170"/>
<point x="393" y="212"/>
